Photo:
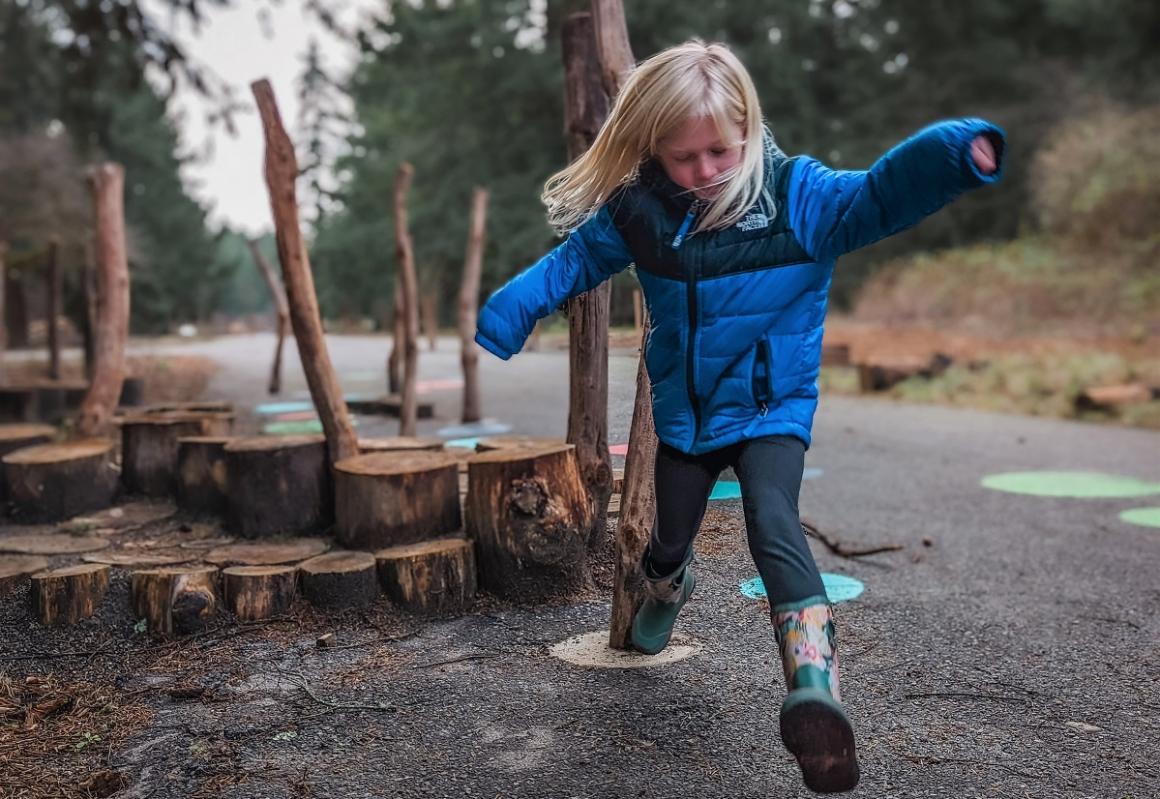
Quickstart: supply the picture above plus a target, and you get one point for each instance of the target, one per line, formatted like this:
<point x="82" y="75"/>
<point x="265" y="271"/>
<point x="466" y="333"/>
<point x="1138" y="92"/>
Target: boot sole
<point x="815" y="729"/>
<point x="654" y="646"/>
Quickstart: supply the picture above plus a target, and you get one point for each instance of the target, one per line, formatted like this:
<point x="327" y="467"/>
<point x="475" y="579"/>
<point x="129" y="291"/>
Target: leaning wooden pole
<point x="281" y="308"/>
<point x="586" y="108"/>
<point x="107" y="182"/>
<point x="468" y="308"/>
<point x="281" y="172"/>
<point x="638" y="497"/>
<point x="405" y="255"/>
<point x="52" y="313"/>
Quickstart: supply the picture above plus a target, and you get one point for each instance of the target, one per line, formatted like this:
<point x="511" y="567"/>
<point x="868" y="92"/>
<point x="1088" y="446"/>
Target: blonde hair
<point x="688" y="81"/>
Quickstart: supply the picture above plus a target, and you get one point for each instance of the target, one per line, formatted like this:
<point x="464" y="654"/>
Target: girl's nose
<point x="705" y="171"/>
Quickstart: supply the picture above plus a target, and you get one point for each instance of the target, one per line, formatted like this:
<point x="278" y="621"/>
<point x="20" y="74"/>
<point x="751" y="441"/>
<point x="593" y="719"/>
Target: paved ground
<point x="1009" y="650"/>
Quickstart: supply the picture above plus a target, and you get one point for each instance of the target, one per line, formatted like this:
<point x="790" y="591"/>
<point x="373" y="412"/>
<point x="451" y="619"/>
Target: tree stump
<point x="430" y="577"/>
<point x="340" y="580"/>
<point x="201" y="475"/>
<point x="259" y="592"/>
<point x="175" y="601"/>
<point x="65" y="596"/>
<point x="149" y="445"/>
<point x="392" y="498"/>
<point x="529" y="513"/>
<point x="278" y="485"/>
<point x="398" y="444"/>
<point x="14" y="569"/>
<point x="132" y="392"/>
<point x="19" y="436"/>
<point x="52" y="482"/>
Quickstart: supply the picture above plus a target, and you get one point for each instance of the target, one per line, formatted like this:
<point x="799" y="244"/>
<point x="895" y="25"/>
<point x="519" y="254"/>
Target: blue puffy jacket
<point x="735" y="315"/>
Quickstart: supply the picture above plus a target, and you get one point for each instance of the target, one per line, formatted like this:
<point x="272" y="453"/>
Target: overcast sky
<point x="250" y="41"/>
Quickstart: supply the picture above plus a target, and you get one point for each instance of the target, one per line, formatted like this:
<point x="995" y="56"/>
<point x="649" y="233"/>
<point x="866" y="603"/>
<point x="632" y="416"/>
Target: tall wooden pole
<point x="52" y="280"/>
<point x="3" y="323"/>
<point x="405" y="255"/>
<point x="468" y="308"/>
<point x="586" y="108"/>
<point x="281" y="172"/>
<point x="638" y="497"/>
<point x="430" y="318"/>
<point x="107" y="182"/>
<point x="281" y="310"/>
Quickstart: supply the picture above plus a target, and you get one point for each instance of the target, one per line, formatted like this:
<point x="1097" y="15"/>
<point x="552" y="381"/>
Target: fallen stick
<point x="841" y="549"/>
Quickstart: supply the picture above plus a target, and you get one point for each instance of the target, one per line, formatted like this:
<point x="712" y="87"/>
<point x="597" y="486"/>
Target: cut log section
<point x="253" y="593"/>
<point x="340" y="580"/>
<point x="175" y="601"/>
<point x="149" y="446"/>
<point x="65" y="596"/>
<point x="19" y="436"/>
<point x="492" y="443"/>
<point x="267" y="553"/>
<point x="49" y="544"/>
<point x="390" y="498"/>
<point x="140" y="558"/>
<point x="201" y="475"/>
<point x="278" y="485"/>
<point x="52" y="482"/>
<point x="529" y="514"/>
<point x="430" y="577"/>
<point x="14" y="569"/>
<point x="398" y="444"/>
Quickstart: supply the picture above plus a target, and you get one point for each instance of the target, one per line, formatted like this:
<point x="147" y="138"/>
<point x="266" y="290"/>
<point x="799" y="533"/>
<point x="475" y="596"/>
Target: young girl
<point x="734" y="246"/>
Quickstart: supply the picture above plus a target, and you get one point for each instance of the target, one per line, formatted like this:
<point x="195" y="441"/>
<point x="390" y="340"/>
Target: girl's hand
<point x="983" y="154"/>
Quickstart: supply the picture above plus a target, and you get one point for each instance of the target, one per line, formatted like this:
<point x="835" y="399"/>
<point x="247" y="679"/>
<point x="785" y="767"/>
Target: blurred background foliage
<point x="470" y="92"/>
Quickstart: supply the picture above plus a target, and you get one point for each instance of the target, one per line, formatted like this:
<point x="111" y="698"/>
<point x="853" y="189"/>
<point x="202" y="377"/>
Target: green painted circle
<point x="1079" y="485"/>
<point x="1146" y="517"/>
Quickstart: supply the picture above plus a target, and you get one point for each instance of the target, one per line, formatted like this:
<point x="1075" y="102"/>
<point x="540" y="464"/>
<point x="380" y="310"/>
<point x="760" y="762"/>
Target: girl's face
<point x="697" y="155"/>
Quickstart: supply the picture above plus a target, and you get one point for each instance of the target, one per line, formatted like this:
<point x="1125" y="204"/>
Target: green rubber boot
<point x="813" y="724"/>
<point x="664" y="597"/>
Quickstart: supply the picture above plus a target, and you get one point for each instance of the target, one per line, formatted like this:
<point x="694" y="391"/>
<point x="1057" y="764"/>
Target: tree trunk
<point x="89" y="327"/>
<point x="281" y="311"/>
<point x="529" y="515"/>
<point x="201" y="475"/>
<point x="281" y="172"/>
<point x="65" y="596"/>
<point x="430" y="318"/>
<point x="430" y="577"/>
<point x="107" y="182"/>
<point x="175" y="601"/>
<point x="253" y="593"/>
<point x="340" y="580"/>
<point x="390" y="498"/>
<point x="52" y="482"/>
<point x="278" y="485"/>
<point x="405" y="254"/>
<point x="587" y="106"/>
<point x="469" y="306"/>
<point x="398" y="336"/>
<point x="52" y="313"/>
<point x="638" y="500"/>
<point x="3" y="325"/>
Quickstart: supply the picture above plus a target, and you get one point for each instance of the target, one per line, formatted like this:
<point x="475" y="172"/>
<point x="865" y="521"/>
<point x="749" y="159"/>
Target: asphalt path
<point x="1010" y="648"/>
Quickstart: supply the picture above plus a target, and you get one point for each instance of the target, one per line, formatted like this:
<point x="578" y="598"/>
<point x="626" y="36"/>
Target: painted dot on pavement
<point x="839" y="587"/>
<point x="1146" y="517"/>
<point x="271" y="408"/>
<point x="1078" y="485"/>
<point x="465" y="443"/>
<point x="488" y="427"/>
<point x="292" y="428"/>
<point x="726" y="489"/>
<point x="811" y="473"/>
<point x="618" y="449"/>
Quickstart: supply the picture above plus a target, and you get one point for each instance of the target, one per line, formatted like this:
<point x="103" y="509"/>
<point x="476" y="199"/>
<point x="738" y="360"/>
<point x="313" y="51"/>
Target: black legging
<point x="770" y="471"/>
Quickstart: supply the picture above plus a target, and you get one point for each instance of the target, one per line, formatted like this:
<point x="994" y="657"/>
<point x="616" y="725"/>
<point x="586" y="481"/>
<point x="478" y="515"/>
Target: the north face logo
<point x="753" y="222"/>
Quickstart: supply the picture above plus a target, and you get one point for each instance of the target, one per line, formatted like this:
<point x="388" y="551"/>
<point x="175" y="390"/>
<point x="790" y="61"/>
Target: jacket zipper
<point x="691" y="288"/>
<point x="764" y="389"/>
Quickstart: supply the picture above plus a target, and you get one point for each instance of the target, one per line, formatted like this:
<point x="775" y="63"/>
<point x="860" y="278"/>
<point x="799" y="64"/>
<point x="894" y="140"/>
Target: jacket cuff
<point x="998" y="140"/>
<point x="491" y="346"/>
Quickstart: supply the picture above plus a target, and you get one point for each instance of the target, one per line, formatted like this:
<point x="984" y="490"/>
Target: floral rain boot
<point x="813" y="725"/>
<point x="664" y="597"/>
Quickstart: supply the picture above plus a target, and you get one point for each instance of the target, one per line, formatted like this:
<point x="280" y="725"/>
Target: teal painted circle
<point x="726" y="489"/>
<point x="271" y="408"/>
<point x="1077" y="485"/>
<point x="292" y="428"/>
<point x="1145" y="517"/>
<point x="839" y="588"/>
<point x="465" y="443"/>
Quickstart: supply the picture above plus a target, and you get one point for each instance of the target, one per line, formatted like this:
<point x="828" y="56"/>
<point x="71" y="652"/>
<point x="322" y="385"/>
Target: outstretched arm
<point x="592" y="253"/>
<point x="834" y="212"/>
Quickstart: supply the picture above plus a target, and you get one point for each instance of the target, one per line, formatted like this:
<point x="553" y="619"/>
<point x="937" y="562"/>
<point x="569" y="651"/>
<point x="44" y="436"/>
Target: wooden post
<point x="429" y="318"/>
<point x="469" y="305"/>
<point x="637" y="312"/>
<point x="281" y="172"/>
<point x="587" y="107"/>
<point x="405" y="254"/>
<point x="3" y="324"/>
<point x="52" y="313"/>
<point x="107" y="182"/>
<point x="638" y="500"/>
<point x="281" y="309"/>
